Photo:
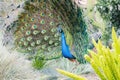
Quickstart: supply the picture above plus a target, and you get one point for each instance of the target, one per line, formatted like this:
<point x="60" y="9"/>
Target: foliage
<point x="106" y="37"/>
<point x="105" y="61"/>
<point x="38" y="61"/>
<point x="73" y="76"/>
<point x="110" y="11"/>
<point x="94" y="15"/>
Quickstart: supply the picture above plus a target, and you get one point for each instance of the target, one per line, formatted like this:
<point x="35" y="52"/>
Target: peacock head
<point x="60" y="30"/>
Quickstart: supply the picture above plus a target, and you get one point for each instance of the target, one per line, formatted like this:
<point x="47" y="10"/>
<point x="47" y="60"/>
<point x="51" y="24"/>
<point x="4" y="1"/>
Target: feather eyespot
<point x="34" y="26"/>
<point x="26" y="24"/>
<point x="56" y="44"/>
<point x="51" y="7"/>
<point x="43" y="31"/>
<point x="43" y="6"/>
<point x="38" y="41"/>
<point x="22" y="39"/>
<point x="22" y="28"/>
<point x="51" y="23"/>
<point x="19" y="42"/>
<point x="29" y="48"/>
<point x="25" y="43"/>
<point x="32" y="19"/>
<point x="50" y="42"/>
<point x="28" y="33"/>
<point x="32" y="44"/>
<point x="42" y="14"/>
<point x="50" y="15"/>
<point x="29" y="38"/>
<point x="53" y="30"/>
<point x="28" y="15"/>
<point x="35" y="32"/>
<point x="56" y="35"/>
<point x="46" y="38"/>
<point x="42" y="21"/>
<point x="23" y="20"/>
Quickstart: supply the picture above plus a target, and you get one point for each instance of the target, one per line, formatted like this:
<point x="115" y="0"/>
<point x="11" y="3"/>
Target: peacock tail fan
<point x="36" y="28"/>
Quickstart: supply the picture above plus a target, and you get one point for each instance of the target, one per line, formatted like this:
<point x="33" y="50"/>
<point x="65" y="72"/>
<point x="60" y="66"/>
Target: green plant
<point x="110" y="11"/>
<point x="105" y="61"/>
<point x="73" y="76"/>
<point x="94" y="16"/>
<point x="38" y="62"/>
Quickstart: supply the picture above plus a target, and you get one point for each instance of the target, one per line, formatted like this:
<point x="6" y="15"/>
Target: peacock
<point x="36" y="28"/>
<point x="65" y="47"/>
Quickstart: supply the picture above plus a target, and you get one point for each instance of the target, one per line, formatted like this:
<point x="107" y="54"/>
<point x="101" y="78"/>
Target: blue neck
<point x="63" y="39"/>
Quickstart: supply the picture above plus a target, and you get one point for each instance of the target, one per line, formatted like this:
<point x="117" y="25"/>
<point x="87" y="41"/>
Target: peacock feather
<point x="36" y="28"/>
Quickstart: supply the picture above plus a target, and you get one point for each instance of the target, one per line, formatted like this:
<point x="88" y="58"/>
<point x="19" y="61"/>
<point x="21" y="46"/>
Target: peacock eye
<point x="22" y="39"/>
<point x="28" y="15"/>
<point x="29" y="38"/>
<point x="42" y="21"/>
<point x="50" y="42"/>
<point x="32" y="44"/>
<point x="38" y="41"/>
<point x="26" y="24"/>
<point x="51" y="23"/>
<point x="25" y="43"/>
<point x="32" y="19"/>
<point x="35" y="32"/>
<point x="56" y="35"/>
<point x="43" y="31"/>
<point x="42" y="14"/>
<point x="29" y="48"/>
<point x="53" y="30"/>
<point x="50" y="15"/>
<point x="34" y="26"/>
<point x="19" y="42"/>
<point x="23" y="20"/>
<point x="56" y="44"/>
<point x="22" y="28"/>
<point x="46" y="38"/>
<point x="28" y="33"/>
<point x="43" y="6"/>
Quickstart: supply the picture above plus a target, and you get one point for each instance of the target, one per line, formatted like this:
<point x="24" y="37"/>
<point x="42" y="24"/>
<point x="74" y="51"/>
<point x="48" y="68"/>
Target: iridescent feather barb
<point x="36" y="27"/>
